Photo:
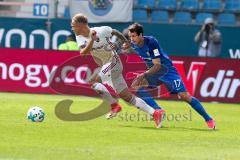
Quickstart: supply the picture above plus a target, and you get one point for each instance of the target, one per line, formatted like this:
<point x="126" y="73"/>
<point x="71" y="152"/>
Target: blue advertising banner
<point x="176" y="40"/>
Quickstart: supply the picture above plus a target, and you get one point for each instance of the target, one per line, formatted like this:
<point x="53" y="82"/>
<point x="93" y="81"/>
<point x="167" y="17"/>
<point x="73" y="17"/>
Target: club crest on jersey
<point x="156" y="52"/>
<point x="84" y="44"/>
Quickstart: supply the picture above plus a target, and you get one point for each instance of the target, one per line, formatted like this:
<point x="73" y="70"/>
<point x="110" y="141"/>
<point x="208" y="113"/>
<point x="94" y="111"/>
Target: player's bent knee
<point x="97" y="87"/>
<point x="126" y="96"/>
<point x="185" y="96"/>
<point x="94" y="86"/>
<point x="136" y="86"/>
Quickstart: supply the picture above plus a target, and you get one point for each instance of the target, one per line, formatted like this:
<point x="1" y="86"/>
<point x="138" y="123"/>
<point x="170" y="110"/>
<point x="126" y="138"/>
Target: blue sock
<point x="143" y="94"/>
<point x="196" y="105"/>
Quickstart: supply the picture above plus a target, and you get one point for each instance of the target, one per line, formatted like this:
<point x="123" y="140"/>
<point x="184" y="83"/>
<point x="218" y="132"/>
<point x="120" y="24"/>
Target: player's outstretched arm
<point x="155" y="68"/>
<point x="124" y="41"/>
<point x="119" y="35"/>
<point x="140" y="81"/>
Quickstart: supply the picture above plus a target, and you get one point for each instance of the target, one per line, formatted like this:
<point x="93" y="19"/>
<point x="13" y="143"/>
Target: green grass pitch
<point x="130" y="136"/>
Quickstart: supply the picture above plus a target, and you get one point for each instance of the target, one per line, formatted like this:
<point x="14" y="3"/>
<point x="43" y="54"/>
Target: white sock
<point x="141" y="104"/>
<point x="104" y="92"/>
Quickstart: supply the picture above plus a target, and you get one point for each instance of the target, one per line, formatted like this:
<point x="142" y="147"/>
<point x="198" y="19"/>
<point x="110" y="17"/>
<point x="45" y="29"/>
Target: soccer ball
<point x="36" y="114"/>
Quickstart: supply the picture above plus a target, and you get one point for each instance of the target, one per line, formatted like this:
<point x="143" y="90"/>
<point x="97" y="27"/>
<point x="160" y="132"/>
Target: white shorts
<point x="111" y="74"/>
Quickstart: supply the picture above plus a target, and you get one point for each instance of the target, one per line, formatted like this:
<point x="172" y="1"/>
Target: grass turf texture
<point x="122" y="138"/>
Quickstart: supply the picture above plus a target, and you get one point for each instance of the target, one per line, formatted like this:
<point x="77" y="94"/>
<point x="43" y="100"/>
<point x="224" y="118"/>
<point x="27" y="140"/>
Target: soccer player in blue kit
<point x="160" y="71"/>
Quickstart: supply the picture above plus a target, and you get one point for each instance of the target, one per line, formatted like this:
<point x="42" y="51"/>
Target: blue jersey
<point x="151" y="50"/>
<point x="168" y="74"/>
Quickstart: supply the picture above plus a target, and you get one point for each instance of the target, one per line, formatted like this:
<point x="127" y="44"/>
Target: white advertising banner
<point x="103" y="10"/>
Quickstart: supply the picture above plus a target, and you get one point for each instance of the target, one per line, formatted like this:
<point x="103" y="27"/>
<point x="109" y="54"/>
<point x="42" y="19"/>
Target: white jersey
<point x="111" y="66"/>
<point x="102" y="45"/>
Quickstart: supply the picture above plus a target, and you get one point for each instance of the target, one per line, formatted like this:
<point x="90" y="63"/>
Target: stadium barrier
<point x="29" y="71"/>
<point x="176" y="40"/>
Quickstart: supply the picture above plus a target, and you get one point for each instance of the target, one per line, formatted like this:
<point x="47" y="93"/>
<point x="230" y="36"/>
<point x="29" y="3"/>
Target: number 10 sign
<point x="40" y="9"/>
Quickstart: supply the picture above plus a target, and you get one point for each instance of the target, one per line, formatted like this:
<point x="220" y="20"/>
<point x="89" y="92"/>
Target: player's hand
<point x="139" y="81"/>
<point x="140" y="77"/>
<point x="93" y="35"/>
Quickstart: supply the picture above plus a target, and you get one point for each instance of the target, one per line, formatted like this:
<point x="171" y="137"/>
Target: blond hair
<point x="80" y="18"/>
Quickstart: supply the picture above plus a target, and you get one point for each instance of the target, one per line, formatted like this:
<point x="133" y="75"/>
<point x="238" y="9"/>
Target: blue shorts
<point x="169" y="78"/>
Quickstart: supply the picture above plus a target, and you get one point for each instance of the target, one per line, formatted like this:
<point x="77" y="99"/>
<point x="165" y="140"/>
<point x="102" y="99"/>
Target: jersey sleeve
<point x="154" y="49"/>
<point x="107" y="31"/>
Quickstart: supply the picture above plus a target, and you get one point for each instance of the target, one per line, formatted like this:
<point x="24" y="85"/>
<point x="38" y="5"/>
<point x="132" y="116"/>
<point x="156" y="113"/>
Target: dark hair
<point x="136" y="27"/>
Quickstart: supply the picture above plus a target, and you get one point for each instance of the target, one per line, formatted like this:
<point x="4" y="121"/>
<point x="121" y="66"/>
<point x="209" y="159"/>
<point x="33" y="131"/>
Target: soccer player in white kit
<point x="96" y="41"/>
